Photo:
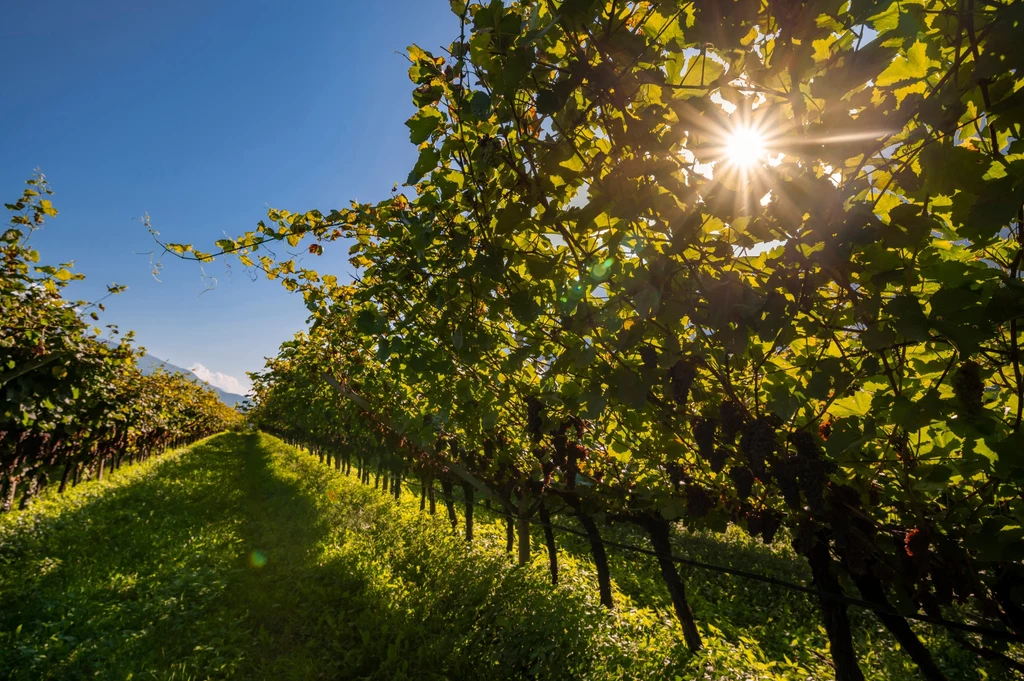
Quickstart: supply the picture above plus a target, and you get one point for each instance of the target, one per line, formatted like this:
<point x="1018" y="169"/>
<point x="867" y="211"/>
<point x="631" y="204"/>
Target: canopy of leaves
<point x="583" y="292"/>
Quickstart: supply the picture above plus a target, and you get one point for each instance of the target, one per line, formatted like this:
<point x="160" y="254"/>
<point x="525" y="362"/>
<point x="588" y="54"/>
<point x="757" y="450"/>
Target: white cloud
<point x="222" y="381"/>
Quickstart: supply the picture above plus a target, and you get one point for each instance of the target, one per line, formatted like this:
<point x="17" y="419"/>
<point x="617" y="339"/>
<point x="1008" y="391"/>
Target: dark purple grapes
<point x="743" y="478"/>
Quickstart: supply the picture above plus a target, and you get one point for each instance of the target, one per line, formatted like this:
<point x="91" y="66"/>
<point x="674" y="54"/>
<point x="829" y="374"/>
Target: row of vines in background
<point x="588" y="295"/>
<point x="73" y="404"/>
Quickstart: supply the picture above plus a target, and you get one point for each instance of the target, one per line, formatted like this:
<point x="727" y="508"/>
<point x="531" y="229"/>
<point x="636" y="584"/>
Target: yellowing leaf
<point x="911" y="67"/>
<point x="823" y="48"/>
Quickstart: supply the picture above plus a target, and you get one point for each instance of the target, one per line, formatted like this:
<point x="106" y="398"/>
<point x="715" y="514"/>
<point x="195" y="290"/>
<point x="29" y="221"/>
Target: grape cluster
<point x="704" y="434"/>
<point x="487" y="154"/>
<point x="916" y="542"/>
<point x="649" y="357"/>
<point x="675" y="473"/>
<point x="574" y="454"/>
<point x="755" y="523"/>
<point x="853" y="533"/>
<point x="969" y="388"/>
<point x="560" y="442"/>
<point x="758" y="443"/>
<point x="805" y="444"/>
<point x="813" y="474"/>
<point x="681" y="377"/>
<point x="698" y="501"/>
<point x="825" y="428"/>
<point x="805" y="536"/>
<point x="534" y="418"/>
<point x="733" y="419"/>
<point x="785" y="472"/>
<point x="764" y="524"/>
<point x="547" y="465"/>
<point x="743" y="478"/>
<point x="718" y="459"/>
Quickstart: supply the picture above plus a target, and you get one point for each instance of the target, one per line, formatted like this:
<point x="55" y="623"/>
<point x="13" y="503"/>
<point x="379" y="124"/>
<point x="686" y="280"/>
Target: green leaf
<point x="907" y="317"/>
<point x="952" y="168"/>
<point x="515" y="69"/>
<point x="423" y="124"/>
<point x="368" y="321"/>
<point x="877" y="338"/>
<point x="994" y="208"/>
<point x="629" y="389"/>
<point x="524" y="308"/>
<point x="427" y="161"/>
<point x="480" y="105"/>
<point x="510" y="218"/>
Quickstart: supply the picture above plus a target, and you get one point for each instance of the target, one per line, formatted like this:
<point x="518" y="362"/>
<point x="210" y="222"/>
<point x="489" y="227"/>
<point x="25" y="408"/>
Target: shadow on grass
<point x="784" y="626"/>
<point x="244" y="559"/>
<point x="153" y="577"/>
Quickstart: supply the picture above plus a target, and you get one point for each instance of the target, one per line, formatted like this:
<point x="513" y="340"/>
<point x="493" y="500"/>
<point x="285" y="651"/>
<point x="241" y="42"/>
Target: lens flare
<point x="745" y="148"/>
<point x="257" y="559"/>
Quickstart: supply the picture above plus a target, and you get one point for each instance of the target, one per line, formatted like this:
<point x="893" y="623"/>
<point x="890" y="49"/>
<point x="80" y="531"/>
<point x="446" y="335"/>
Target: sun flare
<point x="745" y="148"/>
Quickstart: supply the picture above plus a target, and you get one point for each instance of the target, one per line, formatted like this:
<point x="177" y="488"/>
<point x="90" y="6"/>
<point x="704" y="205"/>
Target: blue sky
<point x="203" y="114"/>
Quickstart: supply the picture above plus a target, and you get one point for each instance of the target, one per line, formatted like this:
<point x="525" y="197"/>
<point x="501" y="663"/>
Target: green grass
<point x="242" y="558"/>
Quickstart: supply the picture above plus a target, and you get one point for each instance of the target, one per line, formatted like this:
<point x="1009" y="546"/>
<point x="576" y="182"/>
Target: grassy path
<point x="241" y="558"/>
<point x="231" y="560"/>
<point x="152" y="574"/>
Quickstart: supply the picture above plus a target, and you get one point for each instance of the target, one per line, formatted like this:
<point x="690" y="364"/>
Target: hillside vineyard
<point x="75" y="404"/>
<point x="714" y="305"/>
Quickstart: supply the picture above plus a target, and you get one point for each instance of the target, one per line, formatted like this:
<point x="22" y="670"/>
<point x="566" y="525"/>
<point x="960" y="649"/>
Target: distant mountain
<point x="148" y="364"/>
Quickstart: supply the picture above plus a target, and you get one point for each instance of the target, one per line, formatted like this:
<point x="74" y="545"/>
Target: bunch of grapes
<point x="805" y="536"/>
<point x="755" y="523"/>
<point x="649" y="356"/>
<point x="681" y="377"/>
<point x="743" y="478"/>
<point x="969" y="388"/>
<point x="785" y="472"/>
<point x="718" y="459"/>
<point x="574" y="453"/>
<point x="758" y="442"/>
<point x="487" y="154"/>
<point x="805" y="445"/>
<point x="771" y="523"/>
<point x="813" y="475"/>
<point x="733" y="419"/>
<point x="916" y="542"/>
<point x="560" y="442"/>
<point x="547" y="465"/>
<point x="825" y="428"/>
<point x="675" y="473"/>
<point x="534" y="418"/>
<point x="698" y="501"/>
<point x="704" y="433"/>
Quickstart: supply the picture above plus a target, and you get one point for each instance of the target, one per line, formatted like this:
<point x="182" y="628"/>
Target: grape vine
<point x="587" y="294"/>
<point x="73" y="403"/>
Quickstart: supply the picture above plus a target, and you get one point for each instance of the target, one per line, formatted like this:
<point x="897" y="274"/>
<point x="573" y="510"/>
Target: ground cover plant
<point x="242" y="557"/>
<point x="704" y="266"/>
<point x="718" y="304"/>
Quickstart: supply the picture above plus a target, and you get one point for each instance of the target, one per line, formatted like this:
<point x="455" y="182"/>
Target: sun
<point x="745" y="148"/>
